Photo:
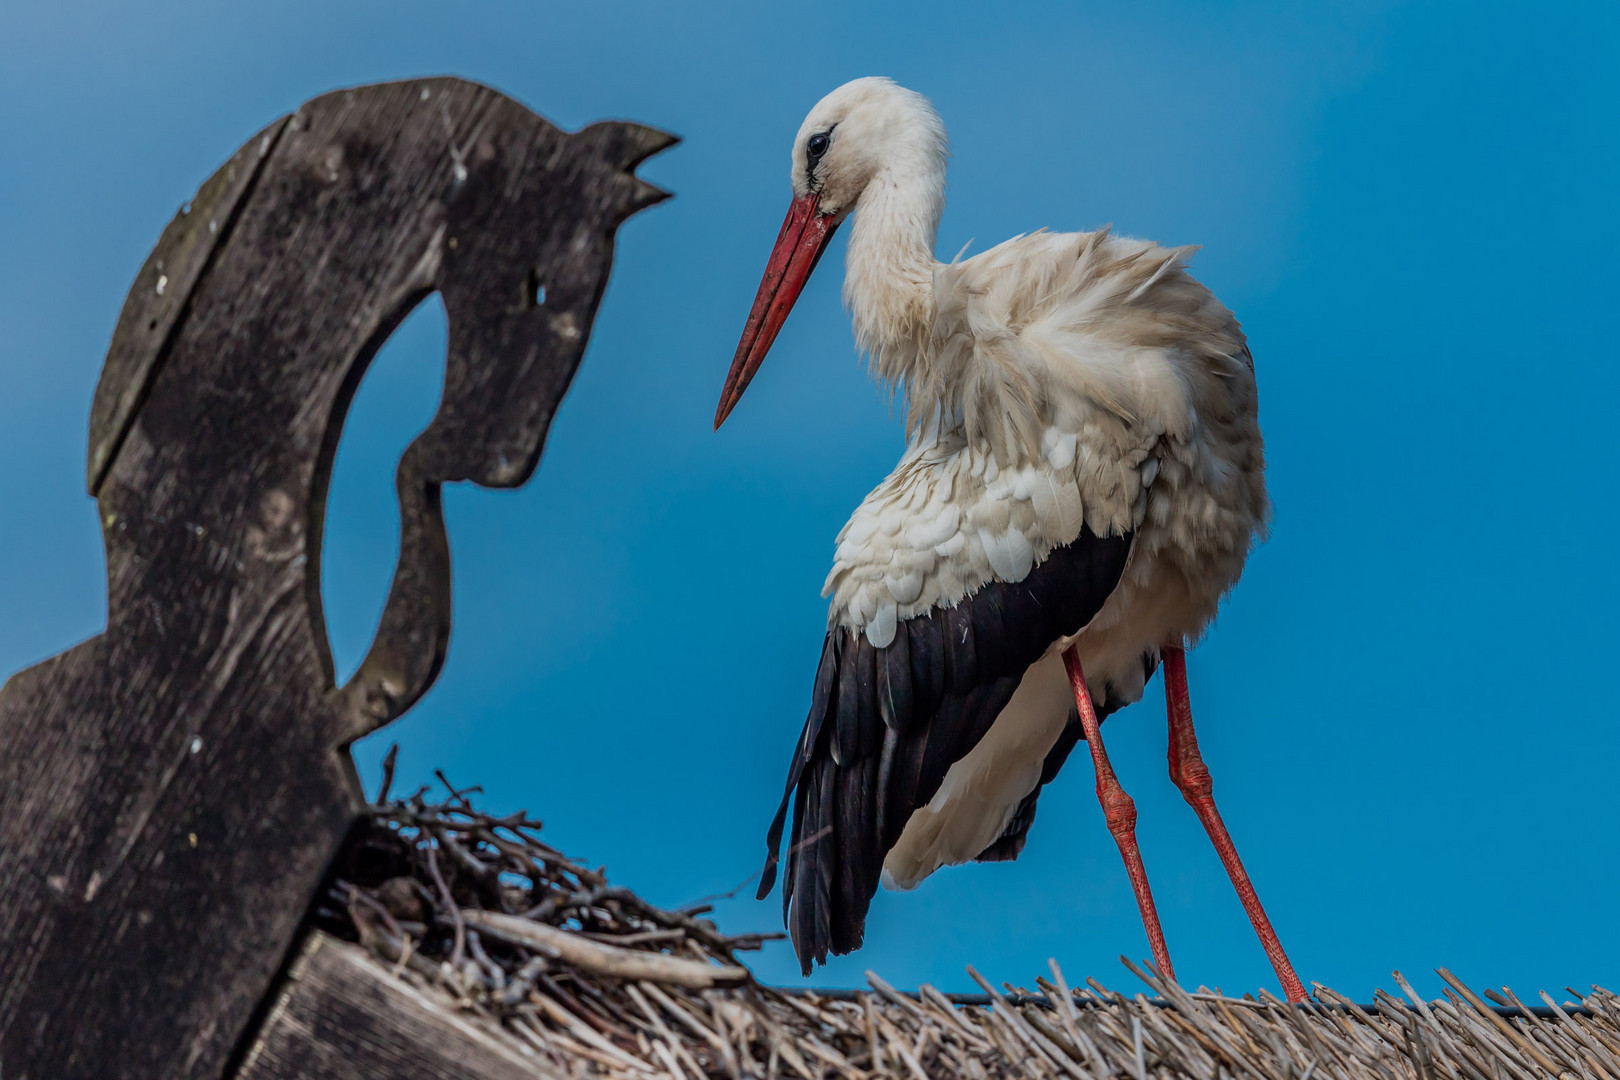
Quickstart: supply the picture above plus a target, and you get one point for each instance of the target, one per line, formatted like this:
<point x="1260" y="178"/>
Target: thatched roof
<point x="587" y="979"/>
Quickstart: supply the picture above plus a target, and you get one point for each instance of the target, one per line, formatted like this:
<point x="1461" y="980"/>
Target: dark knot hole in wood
<point x="534" y="290"/>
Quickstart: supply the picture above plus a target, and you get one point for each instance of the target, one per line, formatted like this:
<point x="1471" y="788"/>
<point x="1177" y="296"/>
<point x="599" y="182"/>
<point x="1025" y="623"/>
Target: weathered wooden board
<point x="152" y="310"/>
<point x="341" y="1016"/>
<point x="173" y="789"/>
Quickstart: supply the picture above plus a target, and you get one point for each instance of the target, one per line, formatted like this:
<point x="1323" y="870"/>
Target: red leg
<point x="1120" y="813"/>
<point x="1191" y="775"/>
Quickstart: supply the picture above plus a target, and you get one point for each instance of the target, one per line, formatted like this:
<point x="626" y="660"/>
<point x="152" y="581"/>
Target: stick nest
<point x="589" y="980"/>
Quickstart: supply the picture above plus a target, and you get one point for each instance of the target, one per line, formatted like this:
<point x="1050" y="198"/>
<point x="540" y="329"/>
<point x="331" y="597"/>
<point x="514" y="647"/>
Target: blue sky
<point x="1406" y="703"/>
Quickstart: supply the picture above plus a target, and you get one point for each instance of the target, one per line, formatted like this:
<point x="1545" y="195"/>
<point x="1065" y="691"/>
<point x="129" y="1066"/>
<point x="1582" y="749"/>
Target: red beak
<point x="799" y="245"/>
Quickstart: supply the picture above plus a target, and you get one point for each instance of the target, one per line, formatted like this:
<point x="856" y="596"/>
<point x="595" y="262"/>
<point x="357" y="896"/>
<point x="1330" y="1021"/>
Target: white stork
<point x="1082" y="482"/>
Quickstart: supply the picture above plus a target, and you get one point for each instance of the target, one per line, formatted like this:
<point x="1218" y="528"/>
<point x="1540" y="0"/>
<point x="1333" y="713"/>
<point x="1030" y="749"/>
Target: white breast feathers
<point x="1066" y="379"/>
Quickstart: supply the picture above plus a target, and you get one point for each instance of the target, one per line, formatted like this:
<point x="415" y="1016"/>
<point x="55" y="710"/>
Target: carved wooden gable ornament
<point x="173" y="789"/>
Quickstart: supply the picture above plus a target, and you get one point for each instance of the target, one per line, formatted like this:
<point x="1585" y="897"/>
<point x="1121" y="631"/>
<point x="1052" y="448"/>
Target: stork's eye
<point x="817" y="144"/>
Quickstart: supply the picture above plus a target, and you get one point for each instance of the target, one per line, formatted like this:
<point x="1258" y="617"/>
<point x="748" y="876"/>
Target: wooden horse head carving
<point x="173" y="789"/>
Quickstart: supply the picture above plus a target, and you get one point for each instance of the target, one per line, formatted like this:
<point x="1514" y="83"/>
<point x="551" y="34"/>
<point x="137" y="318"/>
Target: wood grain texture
<point x="152" y="309"/>
<point x="174" y="788"/>
<point x="342" y="1016"/>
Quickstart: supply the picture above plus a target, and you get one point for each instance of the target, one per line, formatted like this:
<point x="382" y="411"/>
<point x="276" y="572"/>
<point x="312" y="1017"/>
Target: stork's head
<point x="865" y="130"/>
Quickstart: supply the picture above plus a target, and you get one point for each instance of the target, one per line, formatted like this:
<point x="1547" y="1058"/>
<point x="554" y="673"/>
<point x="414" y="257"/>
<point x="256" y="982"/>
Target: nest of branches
<point x="590" y="980"/>
<point x="480" y="901"/>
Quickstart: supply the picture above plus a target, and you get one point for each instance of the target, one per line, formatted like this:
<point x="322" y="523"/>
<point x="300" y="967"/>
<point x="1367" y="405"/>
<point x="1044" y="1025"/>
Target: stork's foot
<point x="1191" y="775"/>
<point x="1120" y="812"/>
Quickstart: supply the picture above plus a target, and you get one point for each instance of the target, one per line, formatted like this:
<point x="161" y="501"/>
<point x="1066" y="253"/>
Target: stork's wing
<point x="886" y="723"/>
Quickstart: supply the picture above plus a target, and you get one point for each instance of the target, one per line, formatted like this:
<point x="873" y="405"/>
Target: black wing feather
<point x="926" y="645"/>
<point x="849" y="697"/>
<point x="821" y="696"/>
<point x="801" y="806"/>
<point x="885" y="726"/>
<point x="961" y="664"/>
<point x="871" y="723"/>
<point x="894" y="682"/>
<point x="994" y="646"/>
<point x="859" y="857"/>
<point x="810" y="917"/>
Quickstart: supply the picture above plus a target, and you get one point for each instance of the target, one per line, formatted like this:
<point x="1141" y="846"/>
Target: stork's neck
<point x="889" y="269"/>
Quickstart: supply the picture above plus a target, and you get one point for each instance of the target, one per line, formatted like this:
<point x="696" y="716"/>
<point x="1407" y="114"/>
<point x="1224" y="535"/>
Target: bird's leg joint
<point x="1187" y="768"/>
<point x="1191" y="775"/>
<point x="1119" y="809"/>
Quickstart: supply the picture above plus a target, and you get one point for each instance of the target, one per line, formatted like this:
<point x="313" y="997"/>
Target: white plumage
<point x="1058" y="386"/>
<point x="1054" y="380"/>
